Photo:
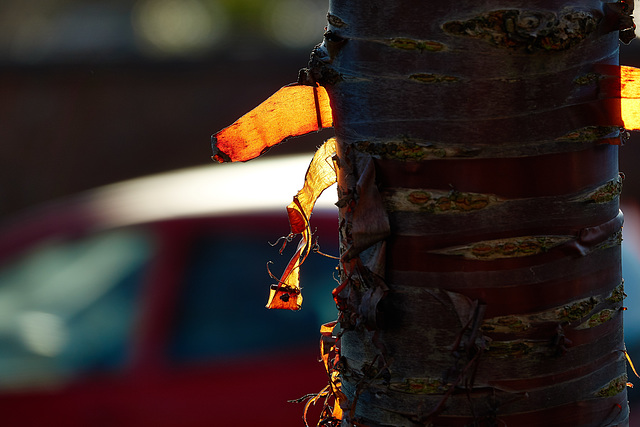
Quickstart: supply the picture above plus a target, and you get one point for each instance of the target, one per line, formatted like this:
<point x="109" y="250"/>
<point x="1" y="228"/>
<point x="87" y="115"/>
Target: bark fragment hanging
<point x="292" y="111"/>
<point x="320" y="175"/>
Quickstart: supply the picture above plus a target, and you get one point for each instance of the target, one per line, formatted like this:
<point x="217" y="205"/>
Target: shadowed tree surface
<point x="480" y="229"/>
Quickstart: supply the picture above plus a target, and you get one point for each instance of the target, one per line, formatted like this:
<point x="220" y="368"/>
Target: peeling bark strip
<point x="320" y="175"/>
<point x="488" y="290"/>
<point x="293" y="110"/>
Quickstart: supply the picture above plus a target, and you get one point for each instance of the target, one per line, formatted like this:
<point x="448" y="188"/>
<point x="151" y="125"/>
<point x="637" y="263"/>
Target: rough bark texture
<point x="480" y="229"/>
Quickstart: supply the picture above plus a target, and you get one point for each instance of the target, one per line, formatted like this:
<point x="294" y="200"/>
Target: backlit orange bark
<point x="292" y="111"/>
<point x="630" y="97"/>
<point x="320" y="175"/>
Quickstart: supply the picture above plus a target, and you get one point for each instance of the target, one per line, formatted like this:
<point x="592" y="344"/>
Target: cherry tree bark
<point x="480" y="230"/>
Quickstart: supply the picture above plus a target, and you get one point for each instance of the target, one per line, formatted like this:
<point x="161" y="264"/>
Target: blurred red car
<point x="142" y="303"/>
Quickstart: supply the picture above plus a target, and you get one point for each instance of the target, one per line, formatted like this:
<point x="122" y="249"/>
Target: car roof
<point x="264" y="185"/>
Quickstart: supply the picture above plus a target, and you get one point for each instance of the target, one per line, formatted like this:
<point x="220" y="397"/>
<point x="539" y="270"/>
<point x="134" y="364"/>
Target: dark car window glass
<point x="222" y="310"/>
<point x="66" y="306"/>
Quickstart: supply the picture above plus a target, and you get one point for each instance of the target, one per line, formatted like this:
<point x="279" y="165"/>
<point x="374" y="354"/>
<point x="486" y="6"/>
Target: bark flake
<point x="528" y="30"/>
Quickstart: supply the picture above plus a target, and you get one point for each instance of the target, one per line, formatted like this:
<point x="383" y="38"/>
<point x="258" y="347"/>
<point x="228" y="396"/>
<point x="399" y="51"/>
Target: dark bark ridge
<point x="480" y="228"/>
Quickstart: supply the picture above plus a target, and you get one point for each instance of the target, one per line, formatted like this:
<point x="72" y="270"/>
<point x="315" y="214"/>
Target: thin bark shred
<point x="320" y="175"/>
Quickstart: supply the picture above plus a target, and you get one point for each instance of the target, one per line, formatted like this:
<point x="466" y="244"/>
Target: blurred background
<point x="94" y="92"/>
<point x="133" y="304"/>
<point x="97" y="91"/>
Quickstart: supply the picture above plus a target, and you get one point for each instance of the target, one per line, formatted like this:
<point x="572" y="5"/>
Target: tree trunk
<point x="480" y="229"/>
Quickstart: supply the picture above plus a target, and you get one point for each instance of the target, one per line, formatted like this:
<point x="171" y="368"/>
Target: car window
<point x="66" y="306"/>
<point x="222" y="310"/>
